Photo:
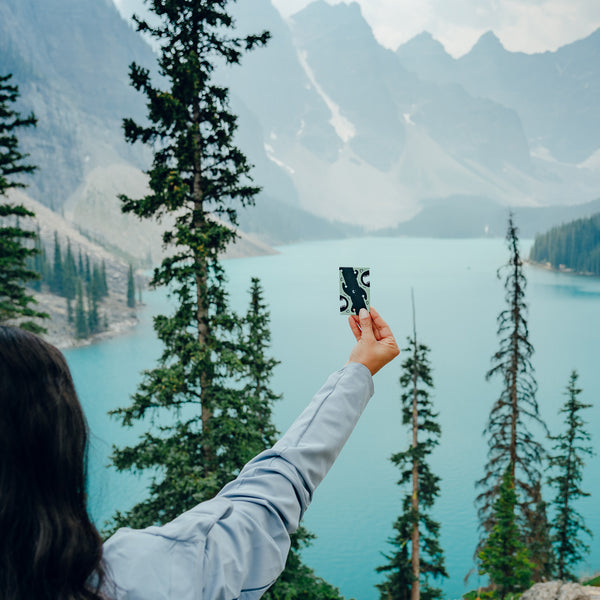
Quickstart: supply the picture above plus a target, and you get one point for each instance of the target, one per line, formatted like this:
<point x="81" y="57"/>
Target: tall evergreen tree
<point x="57" y="268"/>
<point x="297" y="581"/>
<point x="80" y="268"/>
<point x="69" y="274"/>
<point x="511" y="443"/>
<point x="197" y="173"/>
<point x="103" y="281"/>
<point x="40" y="263"/>
<point x="418" y="556"/>
<point x="537" y="536"/>
<point x="258" y="369"/>
<point x="88" y="270"/>
<point x="130" y="288"/>
<point x="570" y="449"/>
<point x="16" y="243"/>
<point x="504" y="557"/>
<point x="93" y="318"/>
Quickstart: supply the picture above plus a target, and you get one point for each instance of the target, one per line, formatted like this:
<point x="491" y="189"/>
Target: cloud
<point x="521" y="25"/>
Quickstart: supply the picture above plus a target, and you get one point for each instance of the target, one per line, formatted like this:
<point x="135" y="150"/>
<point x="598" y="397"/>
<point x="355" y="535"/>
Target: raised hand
<point x="375" y="343"/>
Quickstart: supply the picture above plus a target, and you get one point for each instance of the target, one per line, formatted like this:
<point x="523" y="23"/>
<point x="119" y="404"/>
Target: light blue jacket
<point x="235" y="545"/>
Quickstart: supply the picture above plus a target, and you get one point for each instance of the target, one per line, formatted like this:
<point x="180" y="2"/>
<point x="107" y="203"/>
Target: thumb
<point x="366" y="325"/>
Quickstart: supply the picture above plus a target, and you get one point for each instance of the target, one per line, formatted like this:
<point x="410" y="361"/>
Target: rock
<point x="557" y="590"/>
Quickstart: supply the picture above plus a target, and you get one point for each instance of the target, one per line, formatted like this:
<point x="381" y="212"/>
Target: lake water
<point x="458" y="297"/>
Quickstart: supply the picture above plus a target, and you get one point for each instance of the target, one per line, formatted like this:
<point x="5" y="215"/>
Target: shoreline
<point x="546" y="266"/>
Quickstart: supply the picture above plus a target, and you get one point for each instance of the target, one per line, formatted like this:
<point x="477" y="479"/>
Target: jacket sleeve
<point x="246" y="551"/>
<point x="235" y="545"/>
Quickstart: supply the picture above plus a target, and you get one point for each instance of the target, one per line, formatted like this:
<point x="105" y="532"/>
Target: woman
<point x="233" y="546"/>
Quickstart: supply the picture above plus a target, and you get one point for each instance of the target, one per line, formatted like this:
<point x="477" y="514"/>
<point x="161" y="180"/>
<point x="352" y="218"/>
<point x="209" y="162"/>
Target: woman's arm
<point x="235" y="545"/>
<point x="247" y="548"/>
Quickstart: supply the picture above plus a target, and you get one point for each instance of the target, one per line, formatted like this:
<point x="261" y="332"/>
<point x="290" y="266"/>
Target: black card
<point x="355" y="289"/>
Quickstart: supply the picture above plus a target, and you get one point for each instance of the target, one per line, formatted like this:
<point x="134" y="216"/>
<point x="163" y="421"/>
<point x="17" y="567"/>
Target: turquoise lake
<point x="458" y="297"/>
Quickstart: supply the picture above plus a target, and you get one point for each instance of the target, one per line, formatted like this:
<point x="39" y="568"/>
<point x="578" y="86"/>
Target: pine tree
<point x="297" y="581"/>
<point x="537" y="536"/>
<point x="80" y="268"/>
<point x="88" y="270"/>
<point x="130" y="288"/>
<point x="69" y="274"/>
<point x="418" y="556"/>
<point x="197" y="173"/>
<point x="93" y="318"/>
<point x="504" y="557"/>
<point x="103" y="282"/>
<point x="16" y="305"/>
<point x="40" y="263"/>
<point x="509" y="439"/>
<point x="258" y="370"/>
<point x="57" y="268"/>
<point x="568" y="460"/>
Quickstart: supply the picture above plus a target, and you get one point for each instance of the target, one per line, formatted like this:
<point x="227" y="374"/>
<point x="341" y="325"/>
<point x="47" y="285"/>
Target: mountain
<point x="351" y="128"/>
<point x="556" y="94"/>
<point x="60" y="332"/>
<point x="345" y="135"/>
<point x="70" y="59"/>
<point x="472" y="216"/>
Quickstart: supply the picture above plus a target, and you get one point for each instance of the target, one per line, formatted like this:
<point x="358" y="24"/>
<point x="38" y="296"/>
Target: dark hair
<point x="49" y="549"/>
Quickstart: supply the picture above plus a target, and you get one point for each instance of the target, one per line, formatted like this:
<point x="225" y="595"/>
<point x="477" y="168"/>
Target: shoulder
<point x="162" y="562"/>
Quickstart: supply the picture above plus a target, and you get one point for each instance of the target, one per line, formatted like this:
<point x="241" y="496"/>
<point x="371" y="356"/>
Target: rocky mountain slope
<point x="345" y="135"/>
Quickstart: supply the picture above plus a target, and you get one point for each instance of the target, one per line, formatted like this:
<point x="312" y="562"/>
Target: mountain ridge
<point x="332" y="121"/>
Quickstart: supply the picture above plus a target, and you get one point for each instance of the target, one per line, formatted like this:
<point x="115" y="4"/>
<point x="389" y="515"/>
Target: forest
<point x="573" y="246"/>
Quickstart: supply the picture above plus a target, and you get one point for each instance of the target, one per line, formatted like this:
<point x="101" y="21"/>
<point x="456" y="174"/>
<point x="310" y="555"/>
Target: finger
<point x="354" y="327"/>
<point x="366" y="324"/>
<point x="376" y="331"/>
<point x="382" y="327"/>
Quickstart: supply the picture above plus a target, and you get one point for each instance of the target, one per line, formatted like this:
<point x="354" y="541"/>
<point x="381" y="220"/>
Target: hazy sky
<point x="523" y="25"/>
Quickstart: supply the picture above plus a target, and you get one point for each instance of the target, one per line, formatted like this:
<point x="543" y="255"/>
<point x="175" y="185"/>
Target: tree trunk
<point x="415" y="591"/>
<point x="514" y="373"/>
<point x="200" y="265"/>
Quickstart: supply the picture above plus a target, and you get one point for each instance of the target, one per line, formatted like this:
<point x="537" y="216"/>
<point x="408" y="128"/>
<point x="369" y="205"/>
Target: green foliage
<point x="257" y="366"/>
<point x="418" y="413"/>
<point x="509" y="438"/>
<point x="69" y="274"/>
<point x="57" y="268"/>
<point x="537" y="535"/>
<point x="130" y="288"/>
<point x="16" y="244"/>
<point x="197" y="173"/>
<point x="574" y="245"/>
<point x="567" y="461"/>
<point x="299" y="582"/>
<point x="504" y="557"/>
<point x="206" y="402"/>
<point x="65" y="277"/>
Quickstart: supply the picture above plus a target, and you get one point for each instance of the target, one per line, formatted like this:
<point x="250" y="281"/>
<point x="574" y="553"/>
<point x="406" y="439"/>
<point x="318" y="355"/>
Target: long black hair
<point x="49" y="548"/>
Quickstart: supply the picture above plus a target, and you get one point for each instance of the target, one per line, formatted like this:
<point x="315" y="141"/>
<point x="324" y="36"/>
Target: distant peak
<point x="488" y="41"/>
<point x="423" y="42"/>
<point x="322" y="7"/>
<point x="342" y="16"/>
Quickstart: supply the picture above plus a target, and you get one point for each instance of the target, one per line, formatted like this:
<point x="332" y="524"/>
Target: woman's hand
<point x="376" y="345"/>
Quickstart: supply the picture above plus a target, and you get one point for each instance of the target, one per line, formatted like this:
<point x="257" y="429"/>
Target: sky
<point x="522" y="25"/>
